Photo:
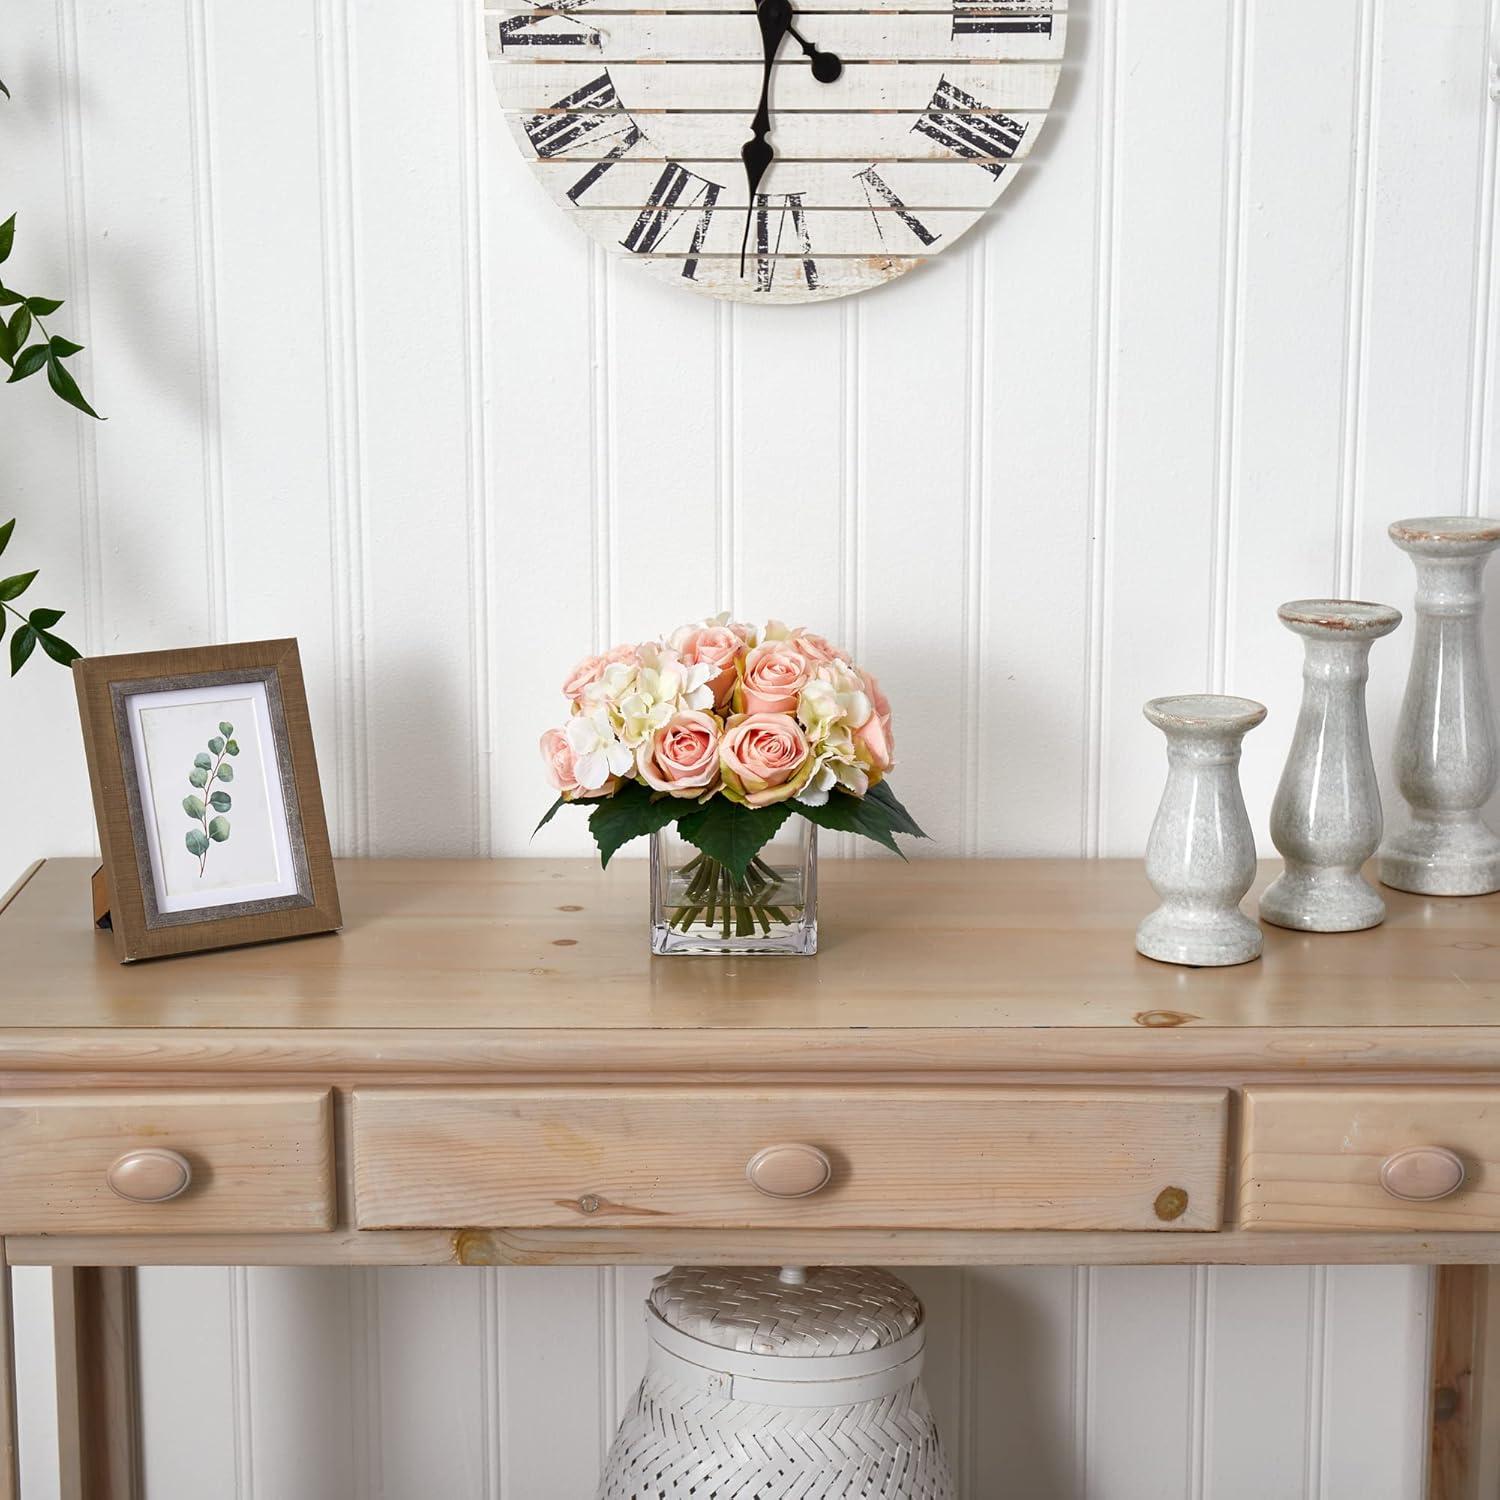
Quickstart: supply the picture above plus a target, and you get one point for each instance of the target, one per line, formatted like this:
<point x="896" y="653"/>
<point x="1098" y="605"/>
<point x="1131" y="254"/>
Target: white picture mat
<point x="167" y="729"/>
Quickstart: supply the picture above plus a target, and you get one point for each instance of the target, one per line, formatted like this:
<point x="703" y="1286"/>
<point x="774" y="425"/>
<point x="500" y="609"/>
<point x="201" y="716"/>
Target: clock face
<point x="779" y="152"/>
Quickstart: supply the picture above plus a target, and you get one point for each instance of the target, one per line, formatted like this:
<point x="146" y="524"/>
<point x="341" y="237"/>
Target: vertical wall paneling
<point x="190" y="1383"/>
<point x="553" y="1383"/>
<point x="1428" y="136"/>
<point x="46" y="482"/>
<point x="1289" y="332"/>
<point x="1165" y="317"/>
<point x="1140" y="1383"/>
<point x="156" y="588"/>
<point x="916" y="374"/>
<point x="1033" y="425"/>
<point x="350" y="815"/>
<point x="36" y="1410"/>
<point x="1378" y="1328"/>
<point x="269" y="297"/>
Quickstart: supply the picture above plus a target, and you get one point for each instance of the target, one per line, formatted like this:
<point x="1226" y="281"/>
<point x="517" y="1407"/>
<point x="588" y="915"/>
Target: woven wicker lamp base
<point x="780" y="1386"/>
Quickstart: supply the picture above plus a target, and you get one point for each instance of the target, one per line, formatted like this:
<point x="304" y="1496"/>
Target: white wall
<point x="366" y="386"/>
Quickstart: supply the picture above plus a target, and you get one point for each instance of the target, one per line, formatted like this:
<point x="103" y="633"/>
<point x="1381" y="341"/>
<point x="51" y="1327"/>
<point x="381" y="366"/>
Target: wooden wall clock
<point x="776" y="152"/>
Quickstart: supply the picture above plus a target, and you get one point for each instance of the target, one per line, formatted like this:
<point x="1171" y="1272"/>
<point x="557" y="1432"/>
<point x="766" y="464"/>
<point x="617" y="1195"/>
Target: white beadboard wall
<point x="368" y="387"/>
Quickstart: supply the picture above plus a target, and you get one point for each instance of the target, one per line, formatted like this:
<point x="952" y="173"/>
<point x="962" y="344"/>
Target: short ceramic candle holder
<point x="1200" y="858"/>
<point x="1445" y="739"/>
<point x="1325" y="820"/>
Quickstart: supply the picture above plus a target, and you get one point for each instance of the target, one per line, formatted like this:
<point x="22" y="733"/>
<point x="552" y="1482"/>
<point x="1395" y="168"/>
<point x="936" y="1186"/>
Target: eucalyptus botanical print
<point x="207" y="808"/>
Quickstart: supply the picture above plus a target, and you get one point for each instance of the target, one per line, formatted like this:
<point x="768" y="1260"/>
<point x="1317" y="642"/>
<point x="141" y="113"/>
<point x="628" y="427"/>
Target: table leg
<point x="98" y="1410"/>
<point x="1464" y="1451"/>
<point x="10" y="1457"/>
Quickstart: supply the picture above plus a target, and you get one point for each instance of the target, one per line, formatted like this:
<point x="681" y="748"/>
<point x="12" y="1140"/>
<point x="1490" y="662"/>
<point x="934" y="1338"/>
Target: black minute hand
<point x="775" y="17"/>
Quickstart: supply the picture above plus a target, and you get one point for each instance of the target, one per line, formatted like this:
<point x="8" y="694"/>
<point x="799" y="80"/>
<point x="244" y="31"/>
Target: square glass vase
<point x="699" y="907"/>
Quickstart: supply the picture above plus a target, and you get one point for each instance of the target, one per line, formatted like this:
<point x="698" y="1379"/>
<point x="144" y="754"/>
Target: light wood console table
<point x="486" y="1067"/>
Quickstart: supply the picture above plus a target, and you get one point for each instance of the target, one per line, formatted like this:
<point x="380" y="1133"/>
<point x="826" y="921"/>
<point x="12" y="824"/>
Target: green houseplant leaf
<point x="8" y="228"/>
<point x="628" y="814"/>
<point x="22" y="644"/>
<point x="731" y="833"/>
<point x="846" y="813"/>
<point x="901" y="820"/>
<point x="16" y="585"/>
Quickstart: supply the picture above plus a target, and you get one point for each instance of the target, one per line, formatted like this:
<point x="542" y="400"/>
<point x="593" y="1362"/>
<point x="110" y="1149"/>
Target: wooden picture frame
<point x="141" y="713"/>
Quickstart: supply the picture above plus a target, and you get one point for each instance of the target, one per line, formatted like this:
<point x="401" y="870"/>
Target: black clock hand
<point x="775" y="17"/>
<point x="826" y="66"/>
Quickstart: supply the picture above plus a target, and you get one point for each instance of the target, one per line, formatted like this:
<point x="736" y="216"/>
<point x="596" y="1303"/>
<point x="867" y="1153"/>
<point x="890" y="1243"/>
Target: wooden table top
<point x="941" y="962"/>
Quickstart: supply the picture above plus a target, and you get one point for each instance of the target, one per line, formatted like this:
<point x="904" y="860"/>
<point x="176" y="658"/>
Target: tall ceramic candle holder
<point x="1325" y="820"/>
<point x="1445" y="739"/>
<point x="1200" y="858"/>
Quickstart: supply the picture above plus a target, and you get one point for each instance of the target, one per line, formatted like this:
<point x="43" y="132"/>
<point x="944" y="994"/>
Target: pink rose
<point x="591" y="669"/>
<point x="874" y="740"/>
<point x="765" y="759"/>
<point x="559" y="759"/>
<point x="816" y="648"/>
<point x="582" y="677"/>
<point x="772" y="677"/>
<point x="716" y="646"/>
<point x="682" y="757"/>
<point x="557" y="755"/>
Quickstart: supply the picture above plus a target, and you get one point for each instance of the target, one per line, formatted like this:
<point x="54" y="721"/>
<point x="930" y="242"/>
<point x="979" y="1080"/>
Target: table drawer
<point x="190" y="1161"/>
<point x="1371" y="1158"/>
<point x="970" y="1158"/>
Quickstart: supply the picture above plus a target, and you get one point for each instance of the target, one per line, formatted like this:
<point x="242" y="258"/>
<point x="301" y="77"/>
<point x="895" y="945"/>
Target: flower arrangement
<point x="726" y="730"/>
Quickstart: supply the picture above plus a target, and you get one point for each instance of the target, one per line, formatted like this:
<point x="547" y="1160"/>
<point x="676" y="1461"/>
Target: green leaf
<point x="4" y="618"/>
<point x="16" y="585"/>
<point x="22" y="643"/>
<point x="198" y="776"/>
<point x="901" y="820"/>
<point x="7" y="344"/>
<point x="846" y="813"/>
<point x="628" y="814"/>
<point x="216" y="745"/>
<point x="193" y="806"/>
<point x="5" y="532"/>
<point x="204" y="759"/>
<point x="731" y="833"/>
<point x="218" y="829"/>
<point x="43" y="619"/>
<point x="226" y="773"/>
<point x="6" y="92"/>
<point x="549" y="815"/>
<point x="232" y="747"/>
<point x="8" y="228"/>
<point x="65" y="386"/>
<point x="57" y="648"/>
<point x="28" y="362"/>
<point x="226" y="730"/>
<point x="197" y="842"/>
<point x="19" y="327"/>
<point x="43" y="307"/>
<point x="221" y="801"/>
<point x="62" y="347"/>
<point x="9" y="298"/>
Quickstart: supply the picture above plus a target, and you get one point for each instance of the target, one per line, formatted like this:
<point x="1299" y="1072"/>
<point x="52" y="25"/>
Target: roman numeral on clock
<point x="586" y="119"/>
<point x="551" y="27"/>
<point x="999" y="17"/>
<point x="786" y="211"/>
<point x="679" y="197"/>
<point x="959" y="121"/>
<point x="877" y="188"/>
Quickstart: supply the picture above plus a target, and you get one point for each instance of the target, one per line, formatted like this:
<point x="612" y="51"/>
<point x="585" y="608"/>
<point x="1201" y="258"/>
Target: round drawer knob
<point x="789" y="1171"/>
<point x="1422" y="1173"/>
<point x="152" y="1175"/>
